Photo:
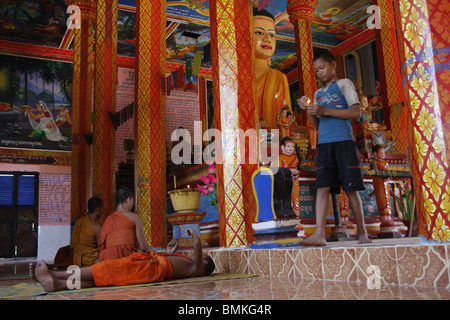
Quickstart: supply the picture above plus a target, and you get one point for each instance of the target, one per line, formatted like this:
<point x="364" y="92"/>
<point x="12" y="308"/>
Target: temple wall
<point x="53" y="229"/>
<point x="182" y="110"/>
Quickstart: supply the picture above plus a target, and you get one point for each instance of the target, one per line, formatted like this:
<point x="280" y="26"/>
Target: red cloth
<point x="117" y="238"/>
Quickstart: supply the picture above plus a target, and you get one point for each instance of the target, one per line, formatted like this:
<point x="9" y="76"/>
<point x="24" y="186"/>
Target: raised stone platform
<point x="404" y="261"/>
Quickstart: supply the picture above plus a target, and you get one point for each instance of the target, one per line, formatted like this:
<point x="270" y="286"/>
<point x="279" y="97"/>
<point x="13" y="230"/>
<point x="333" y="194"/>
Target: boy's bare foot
<point x="44" y="277"/>
<point x="363" y="238"/>
<point x="314" y="240"/>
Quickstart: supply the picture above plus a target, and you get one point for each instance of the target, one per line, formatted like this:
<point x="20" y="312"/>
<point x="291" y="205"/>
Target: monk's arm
<point x="97" y="229"/>
<point x="198" y="253"/>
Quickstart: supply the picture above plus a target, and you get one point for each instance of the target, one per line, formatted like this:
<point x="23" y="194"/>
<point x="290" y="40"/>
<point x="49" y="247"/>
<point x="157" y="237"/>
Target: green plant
<point x="406" y="200"/>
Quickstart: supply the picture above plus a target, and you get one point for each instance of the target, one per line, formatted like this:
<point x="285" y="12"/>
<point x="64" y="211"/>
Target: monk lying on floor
<point x="137" y="268"/>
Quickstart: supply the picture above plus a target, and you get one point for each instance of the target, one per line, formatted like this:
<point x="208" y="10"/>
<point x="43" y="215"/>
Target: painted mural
<point x="25" y="82"/>
<point x="43" y="22"/>
<point x="334" y="21"/>
<point x="184" y="41"/>
<point x="40" y="22"/>
<point x="35" y="109"/>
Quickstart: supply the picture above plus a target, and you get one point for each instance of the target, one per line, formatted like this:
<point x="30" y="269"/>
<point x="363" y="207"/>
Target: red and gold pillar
<point x="234" y="108"/>
<point x="424" y="36"/>
<point x="301" y="14"/>
<point x="82" y="81"/>
<point x="150" y="122"/>
<point x="390" y="79"/>
<point x="104" y="135"/>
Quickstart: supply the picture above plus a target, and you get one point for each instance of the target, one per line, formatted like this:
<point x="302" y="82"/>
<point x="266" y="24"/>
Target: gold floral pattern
<point x="421" y="146"/>
<point x="429" y="207"/>
<point x="445" y="204"/>
<point x="441" y="232"/>
<point x="425" y="31"/>
<point x="427" y="123"/>
<point x="415" y="30"/>
<point x="434" y="176"/>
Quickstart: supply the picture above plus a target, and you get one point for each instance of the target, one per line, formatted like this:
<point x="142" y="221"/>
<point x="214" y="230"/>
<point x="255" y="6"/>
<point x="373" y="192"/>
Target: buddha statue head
<point x="264" y="39"/>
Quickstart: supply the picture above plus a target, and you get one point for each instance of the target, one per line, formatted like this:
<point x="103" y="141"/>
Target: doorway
<point x="18" y="214"/>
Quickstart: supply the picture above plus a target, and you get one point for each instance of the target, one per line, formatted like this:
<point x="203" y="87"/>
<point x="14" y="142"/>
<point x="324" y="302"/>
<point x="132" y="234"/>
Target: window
<point x="18" y="214"/>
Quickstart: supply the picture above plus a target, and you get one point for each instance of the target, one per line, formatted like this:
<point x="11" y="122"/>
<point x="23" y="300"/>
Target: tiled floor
<point x="257" y="288"/>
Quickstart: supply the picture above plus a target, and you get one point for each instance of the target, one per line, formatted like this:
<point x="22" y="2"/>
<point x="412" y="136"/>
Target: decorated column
<point x="150" y="122"/>
<point x="234" y="109"/>
<point x="390" y="79"/>
<point x="301" y="14"/>
<point x="423" y="31"/>
<point x="82" y="81"/>
<point x="104" y="135"/>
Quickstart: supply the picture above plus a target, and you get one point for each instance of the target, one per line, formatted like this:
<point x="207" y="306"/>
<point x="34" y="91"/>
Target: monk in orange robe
<point x="272" y="87"/>
<point x="288" y="159"/>
<point x="84" y="240"/>
<point x="137" y="268"/>
<point x="123" y="231"/>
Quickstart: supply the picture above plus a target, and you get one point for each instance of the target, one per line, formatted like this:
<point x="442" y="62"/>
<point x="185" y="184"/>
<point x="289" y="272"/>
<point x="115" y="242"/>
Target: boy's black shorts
<point x="339" y="164"/>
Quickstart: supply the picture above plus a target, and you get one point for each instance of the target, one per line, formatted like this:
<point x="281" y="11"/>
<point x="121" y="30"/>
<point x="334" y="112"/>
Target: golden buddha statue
<point x="272" y="87"/>
<point x="284" y="122"/>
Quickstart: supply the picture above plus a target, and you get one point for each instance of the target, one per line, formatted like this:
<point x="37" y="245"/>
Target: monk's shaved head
<point x="122" y="194"/>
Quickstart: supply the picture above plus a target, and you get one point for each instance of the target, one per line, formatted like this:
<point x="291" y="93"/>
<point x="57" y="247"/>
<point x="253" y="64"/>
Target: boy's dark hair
<point x="94" y="203"/>
<point x="325" y="55"/>
<point x="210" y="266"/>
<point x="285" y="140"/>
<point x="263" y="12"/>
<point x="376" y="147"/>
<point x="122" y="194"/>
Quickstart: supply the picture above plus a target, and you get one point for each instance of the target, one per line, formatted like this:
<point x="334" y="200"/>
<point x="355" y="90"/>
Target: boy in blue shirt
<point x="337" y="162"/>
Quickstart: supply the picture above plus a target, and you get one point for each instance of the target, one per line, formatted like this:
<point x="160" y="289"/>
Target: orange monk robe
<point x="84" y="243"/>
<point x="117" y="238"/>
<point x="272" y="94"/>
<point x="290" y="162"/>
<point x="137" y="268"/>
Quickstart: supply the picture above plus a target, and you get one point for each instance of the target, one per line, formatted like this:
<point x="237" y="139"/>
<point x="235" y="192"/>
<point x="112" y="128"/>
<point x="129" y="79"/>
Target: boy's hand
<point x="304" y="102"/>
<point x="316" y="110"/>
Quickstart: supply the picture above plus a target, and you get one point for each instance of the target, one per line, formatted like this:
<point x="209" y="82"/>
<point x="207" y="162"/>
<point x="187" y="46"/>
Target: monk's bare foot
<point x="44" y="277"/>
<point x="314" y="240"/>
<point x="363" y="238"/>
<point x="31" y="271"/>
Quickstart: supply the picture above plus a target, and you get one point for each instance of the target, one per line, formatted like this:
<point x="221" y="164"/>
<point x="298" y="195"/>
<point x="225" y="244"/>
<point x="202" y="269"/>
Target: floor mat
<point x="33" y="289"/>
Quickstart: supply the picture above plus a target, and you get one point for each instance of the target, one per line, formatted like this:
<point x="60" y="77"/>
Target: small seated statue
<point x="381" y="187"/>
<point x="288" y="159"/>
